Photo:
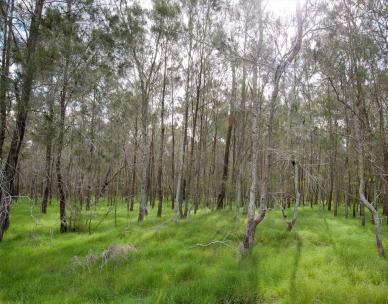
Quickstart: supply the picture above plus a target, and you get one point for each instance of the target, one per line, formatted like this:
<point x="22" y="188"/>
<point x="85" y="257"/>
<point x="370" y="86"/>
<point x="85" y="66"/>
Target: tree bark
<point x="291" y="224"/>
<point x="361" y="189"/>
<point x="145" y="159"/>
<point x="134" y="164"/>
<point x="172" y="145"/>
<point x="177" y="208"/>
<point x="91" y="155"/>
<point x="251" y="225"/>
<point x="63" y="104"/>
<point x="5" y="63"/>
<point x="28" y="75"/>
<point x="61" y="135"/>
<point x="241" y="135"/>
<point x="50" y="130"/>
<point x="161" y="151"/>
<point x="221" y="195"/>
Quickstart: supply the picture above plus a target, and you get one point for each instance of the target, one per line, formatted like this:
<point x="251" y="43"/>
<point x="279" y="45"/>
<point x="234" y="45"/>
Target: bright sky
<point x="281" y="7"/>
<point x="278" y="7"/>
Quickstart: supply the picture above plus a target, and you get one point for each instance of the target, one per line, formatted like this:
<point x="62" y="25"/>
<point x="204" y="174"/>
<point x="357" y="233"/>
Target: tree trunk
<point x="385" y="186"/>
<point x="221" y="195"/>
<point x="145" y="159"/>
<point x="291" y="224"/>
<point x="172" y="145"/>
<point x="184" y="135"/>
<point x="289" y="57"/>
<point x="361" y="189"/>
<point x="28" y="75"/>
<point x="241" y="136"/>
<point x="197" y="188"/>
<point x="251" y="225"/>
<point x="360" y="138"/>
<point x="193" y="135"/>
<point x="161" y="151"/>
<point x="6" y="54"/>
<point x="134" y="164"/>
<point x="61" y="134"/>
<point x="91" y="155"/>
<point x="49" y="139"/>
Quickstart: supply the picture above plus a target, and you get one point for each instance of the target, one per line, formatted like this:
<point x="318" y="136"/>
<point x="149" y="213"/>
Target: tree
<point x="27" y="78"/>
<point x="280" y="69"/>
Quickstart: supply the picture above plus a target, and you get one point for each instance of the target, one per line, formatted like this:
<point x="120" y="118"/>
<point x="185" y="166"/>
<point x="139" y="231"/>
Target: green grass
<point x="324" y="260"/>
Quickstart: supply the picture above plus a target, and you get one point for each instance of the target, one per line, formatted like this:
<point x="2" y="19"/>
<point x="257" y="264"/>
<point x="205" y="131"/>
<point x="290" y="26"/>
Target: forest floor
<point x="323" y="260"/>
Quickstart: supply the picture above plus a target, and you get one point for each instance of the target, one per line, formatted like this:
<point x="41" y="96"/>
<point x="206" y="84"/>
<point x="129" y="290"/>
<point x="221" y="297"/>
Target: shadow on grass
<point x="293" y="289"/>
<point x="248" y="285"/>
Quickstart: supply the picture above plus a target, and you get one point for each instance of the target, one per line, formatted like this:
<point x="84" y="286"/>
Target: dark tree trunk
<point x="134" y="164"/>
<point x="192" y="144"/>
<point x="61" y="134"/>
<point x="172" y="145"/>
<point x="221" y="195"/>
<point x="145" y="159"/>
<point x="197" y="190"/>
<point x="91" y="154"/>
<point x="7" y="35"/>
<point x="60" y="182"/>
<point x="28" y="75"/>
<point x="47" y="187"/>
<point x="385" y="186"/>
<point x="291" y="224"/>
<point x="161" y="151"/>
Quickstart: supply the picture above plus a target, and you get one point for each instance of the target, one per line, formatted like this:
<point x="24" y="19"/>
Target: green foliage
<point x="324" y="260"/>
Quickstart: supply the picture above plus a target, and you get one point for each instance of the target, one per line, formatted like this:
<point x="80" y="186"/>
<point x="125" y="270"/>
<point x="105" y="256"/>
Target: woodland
<point x="193" y="151"/>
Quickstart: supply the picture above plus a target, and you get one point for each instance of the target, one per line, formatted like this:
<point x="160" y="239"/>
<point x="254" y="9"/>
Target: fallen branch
<point x="212" y="243"/>
<point x="225" y="242"/>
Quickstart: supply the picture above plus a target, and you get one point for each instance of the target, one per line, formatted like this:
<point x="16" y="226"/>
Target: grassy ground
<point x="324" y="260"/>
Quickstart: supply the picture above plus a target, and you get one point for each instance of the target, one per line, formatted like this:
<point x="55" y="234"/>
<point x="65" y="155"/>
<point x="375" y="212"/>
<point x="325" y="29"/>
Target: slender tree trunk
<point x="151" y="183"/>
<point x="221" y="195"/>
<point x="28" y="75"/>
<point x="361" y="189"/>
<point x="5" y="63"/>
<point x="251" y="225"/>
<point x="184" y="135"/>
<point x="197" y="188"/>
<point x="360" y="123"/>
<point x="178" y="204"/>
<point x="62" y="198"/>
<point x="347" y="166"/>
<point x="50" y="131"/>
<point x="384" y="146"/>
<point x="241" y="137"/>
<point x="161" y="151"/>
<point x="145" y="158"/>
<point x="290" y="56"/>
<point x="172" y="145"/>
<point x="193" y="135"/>
<point x="212" y="163"/>
<point x="91" y="155"/>
<point x="61" y="134"/>
<point x="385" y="186"/>
<point x="291" y="224"/>
<point x="134" y="164"/>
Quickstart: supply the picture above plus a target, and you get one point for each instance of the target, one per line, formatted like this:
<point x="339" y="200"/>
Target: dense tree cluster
<point x="195" y="104"/>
